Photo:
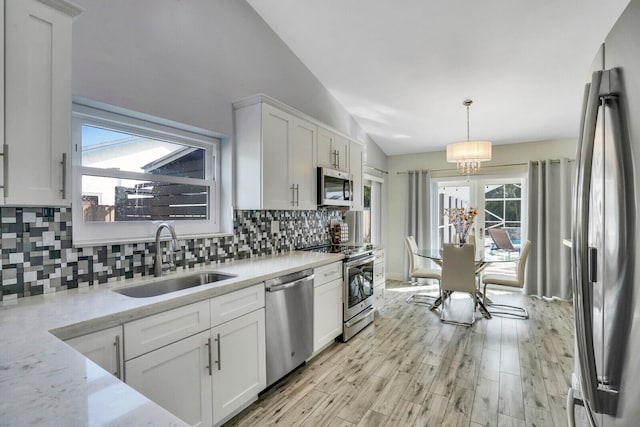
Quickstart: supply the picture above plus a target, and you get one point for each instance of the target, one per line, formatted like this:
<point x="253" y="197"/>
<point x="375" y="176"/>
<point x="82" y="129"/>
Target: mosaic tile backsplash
<point x="38" y="256"/>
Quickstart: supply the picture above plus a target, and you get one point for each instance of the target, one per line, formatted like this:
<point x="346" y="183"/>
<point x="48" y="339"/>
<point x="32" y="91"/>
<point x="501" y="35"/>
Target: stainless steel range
<point x="358" y="303"/>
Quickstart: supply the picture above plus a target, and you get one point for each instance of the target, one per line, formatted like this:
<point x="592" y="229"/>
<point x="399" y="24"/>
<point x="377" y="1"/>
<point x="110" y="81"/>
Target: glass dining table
<point x="482" y="260"/>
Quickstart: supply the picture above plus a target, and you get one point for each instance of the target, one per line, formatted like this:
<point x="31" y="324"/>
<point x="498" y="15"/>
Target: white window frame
<point x="99" y="233"/>
<point x="476" y="184"/>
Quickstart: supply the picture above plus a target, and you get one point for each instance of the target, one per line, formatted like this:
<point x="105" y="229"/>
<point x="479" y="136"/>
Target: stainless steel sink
<point x="172" y="284"/>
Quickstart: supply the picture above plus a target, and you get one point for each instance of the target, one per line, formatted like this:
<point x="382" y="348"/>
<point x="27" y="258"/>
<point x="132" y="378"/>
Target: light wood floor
<point x="410" y="369"/>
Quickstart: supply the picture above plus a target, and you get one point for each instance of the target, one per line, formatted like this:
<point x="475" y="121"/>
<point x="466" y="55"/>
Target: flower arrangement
<point x="461" y="220"/>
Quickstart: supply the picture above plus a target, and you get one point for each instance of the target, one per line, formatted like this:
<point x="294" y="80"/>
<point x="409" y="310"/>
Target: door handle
<point x="5" y="169"/>
<point x="116" y="344"/>
<point x="209" y="366"/>
<point x="219" y="361"/>
<point x="63" y="191"/>
<point x="580" y="270"/>
<point x="593" y="264"/>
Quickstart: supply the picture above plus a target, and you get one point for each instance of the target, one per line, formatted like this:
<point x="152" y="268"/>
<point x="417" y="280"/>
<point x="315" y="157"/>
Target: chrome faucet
<point x="173" y="247"/>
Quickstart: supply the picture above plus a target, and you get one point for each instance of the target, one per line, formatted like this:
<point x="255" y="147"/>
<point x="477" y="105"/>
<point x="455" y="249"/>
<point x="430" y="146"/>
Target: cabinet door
<point x="332" y="151"/>
<point x="302" y="164"/>
<point x="103" y="348"/>
<point x="341" y="148"/>
<point x="327" y="313"/>
<point x="37" y="103"/>
<point x="277" y="191"/>
<point x="325" y="156"/>
<point x="356" y="160"/>
<point x="177" y="378"/>
<point x="239" y="363"/>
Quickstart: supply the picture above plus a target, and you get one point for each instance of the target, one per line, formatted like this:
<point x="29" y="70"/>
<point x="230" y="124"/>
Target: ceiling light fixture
<point x="468" y="154"/>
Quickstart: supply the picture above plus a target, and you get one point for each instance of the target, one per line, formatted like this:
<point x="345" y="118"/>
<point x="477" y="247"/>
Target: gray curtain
<point x="549" y="221"/>
<point x="418" y="220"/>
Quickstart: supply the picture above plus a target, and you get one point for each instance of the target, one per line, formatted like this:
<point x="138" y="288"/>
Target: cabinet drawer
<point x="378" y="273"/>
<point x="235" y="304"/>
<point x="150" y="333"/>
<point x="327" y="273"/>
<point x="379" y="254"/>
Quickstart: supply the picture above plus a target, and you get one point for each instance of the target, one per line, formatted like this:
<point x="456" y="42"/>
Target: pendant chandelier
<point x="468" y="154"/>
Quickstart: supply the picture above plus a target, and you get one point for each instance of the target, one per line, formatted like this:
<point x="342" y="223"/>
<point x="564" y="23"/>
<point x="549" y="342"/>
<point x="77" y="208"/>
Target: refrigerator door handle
<point x="580" y="270"/>
<point x="593" y="264"/>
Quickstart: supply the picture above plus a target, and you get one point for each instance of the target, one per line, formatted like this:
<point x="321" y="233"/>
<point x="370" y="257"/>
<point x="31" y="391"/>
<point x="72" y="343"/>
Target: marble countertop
<point x="43" y="381"/>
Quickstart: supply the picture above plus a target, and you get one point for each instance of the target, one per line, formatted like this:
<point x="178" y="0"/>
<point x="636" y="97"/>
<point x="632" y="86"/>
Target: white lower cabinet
<point x="379" y="279"/>
<point x="327" y="313"/>
<point x="203" y="362"/>
<point x="177" y="378"/>
<point x="327" y="304"/>
<point x="104" y="348"/>
<point x="239" y="364"/>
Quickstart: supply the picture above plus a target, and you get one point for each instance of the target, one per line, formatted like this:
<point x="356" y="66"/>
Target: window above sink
<point x="130" y="172"/>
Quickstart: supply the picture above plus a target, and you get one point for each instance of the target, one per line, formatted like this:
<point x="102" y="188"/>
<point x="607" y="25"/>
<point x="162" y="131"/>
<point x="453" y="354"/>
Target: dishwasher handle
<point x="281" y="287"/>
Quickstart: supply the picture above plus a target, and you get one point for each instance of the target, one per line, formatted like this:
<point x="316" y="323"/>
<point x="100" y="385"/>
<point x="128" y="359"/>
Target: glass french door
<point x="500" y="202"/>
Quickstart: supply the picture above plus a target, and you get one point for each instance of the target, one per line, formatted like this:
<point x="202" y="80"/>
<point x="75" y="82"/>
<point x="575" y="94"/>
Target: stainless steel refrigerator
<point x="605" y="235"/>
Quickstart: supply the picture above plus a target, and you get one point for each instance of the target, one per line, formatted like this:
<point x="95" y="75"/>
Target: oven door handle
<point x="360" y="261"/>
<point x="360" y="317"/>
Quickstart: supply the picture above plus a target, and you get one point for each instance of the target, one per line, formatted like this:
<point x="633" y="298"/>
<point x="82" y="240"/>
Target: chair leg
<point x="518" y="312"/>
<point x="453" y="322"/>
<point x="421" y="298"/>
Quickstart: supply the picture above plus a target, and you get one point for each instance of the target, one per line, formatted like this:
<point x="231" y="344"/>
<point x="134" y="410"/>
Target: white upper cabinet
<point x="274" y="159"/>
<point x="302" y="162"/>
<point x="37" y="102"/>
<point x="356" y="162"/>
<point x="333" y="150"/>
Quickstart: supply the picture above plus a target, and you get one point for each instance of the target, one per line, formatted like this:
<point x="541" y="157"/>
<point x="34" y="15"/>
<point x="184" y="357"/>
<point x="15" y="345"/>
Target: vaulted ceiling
<point x="402" y="68"/>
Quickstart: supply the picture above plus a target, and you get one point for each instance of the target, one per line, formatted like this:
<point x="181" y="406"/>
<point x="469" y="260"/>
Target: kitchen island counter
<point x="44" y="381"/>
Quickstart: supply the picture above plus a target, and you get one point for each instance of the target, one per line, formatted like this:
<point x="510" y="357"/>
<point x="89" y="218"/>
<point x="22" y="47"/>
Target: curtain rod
<point x="484" y="167"/>
<point x="376" y="169"/>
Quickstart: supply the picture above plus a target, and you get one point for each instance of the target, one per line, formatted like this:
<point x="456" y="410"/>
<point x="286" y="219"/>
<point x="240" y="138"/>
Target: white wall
<point x="397" y="184"/>
<point x="188" y="61"/>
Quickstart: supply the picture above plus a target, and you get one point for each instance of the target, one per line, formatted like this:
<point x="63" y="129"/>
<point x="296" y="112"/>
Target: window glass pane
<point x="495" y="208"/>
<point x="112" y="200"/>
<point x="107" y="149"/>
<point x="512" y="210"/>
<point x="512" y="191"/>
<point x="494" y="191"/>
<point x="367" y="196"/>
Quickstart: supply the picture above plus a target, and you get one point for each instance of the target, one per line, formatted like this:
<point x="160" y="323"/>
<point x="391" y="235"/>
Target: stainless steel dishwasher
<point x="289" y="322"/>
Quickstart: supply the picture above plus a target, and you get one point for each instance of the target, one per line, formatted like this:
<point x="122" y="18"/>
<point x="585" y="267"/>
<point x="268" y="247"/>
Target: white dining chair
<point x="516" y="281"/>
<point x="458" y="275"/>
<point x="417" y="271"/>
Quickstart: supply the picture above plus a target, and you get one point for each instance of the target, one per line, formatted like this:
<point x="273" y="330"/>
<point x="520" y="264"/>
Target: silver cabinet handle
<point x="209" y="366"/>
<point x="338" y="158"/>
<point x="5" y="169"/>
<point x="117" y="346"/>
<point x="219" y="362"/>
<point x="293" y="194"/>
<point x="297" y="194"/>
<point x="63" y="192"/>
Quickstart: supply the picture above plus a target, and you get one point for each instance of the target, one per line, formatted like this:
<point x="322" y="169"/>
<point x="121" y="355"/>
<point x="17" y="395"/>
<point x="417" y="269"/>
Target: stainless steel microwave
<point x="335" y="188"/>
